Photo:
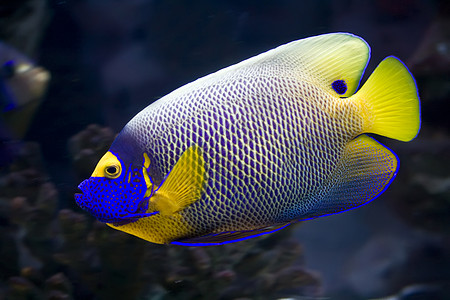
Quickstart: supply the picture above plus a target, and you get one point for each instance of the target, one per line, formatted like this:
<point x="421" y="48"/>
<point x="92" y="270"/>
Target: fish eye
<point x="112" y="171"/>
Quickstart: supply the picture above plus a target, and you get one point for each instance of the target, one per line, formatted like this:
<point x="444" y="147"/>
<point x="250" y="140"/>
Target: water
<point x="110" y="59"/>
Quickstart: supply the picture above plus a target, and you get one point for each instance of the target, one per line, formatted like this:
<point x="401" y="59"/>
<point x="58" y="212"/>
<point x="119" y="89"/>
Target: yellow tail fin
<point x="390" y="101"/>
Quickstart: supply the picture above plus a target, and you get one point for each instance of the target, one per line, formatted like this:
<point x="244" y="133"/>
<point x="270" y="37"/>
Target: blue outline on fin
<point x="180" y="243"/>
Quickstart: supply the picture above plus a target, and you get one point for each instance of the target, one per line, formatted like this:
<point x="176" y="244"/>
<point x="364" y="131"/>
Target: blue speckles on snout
<point x="339" y="86"/>
<point x="114" y="200"/>
<point x="91" y="201"/>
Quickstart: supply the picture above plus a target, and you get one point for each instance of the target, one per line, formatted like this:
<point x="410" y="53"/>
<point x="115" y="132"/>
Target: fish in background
<point x="248" y="150"/>
<point x="22" y="87"/>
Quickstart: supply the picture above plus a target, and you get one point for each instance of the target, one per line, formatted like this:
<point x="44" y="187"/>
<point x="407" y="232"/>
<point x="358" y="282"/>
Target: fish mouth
<point x="80" y="198"/>
<point x="84" y="186"/>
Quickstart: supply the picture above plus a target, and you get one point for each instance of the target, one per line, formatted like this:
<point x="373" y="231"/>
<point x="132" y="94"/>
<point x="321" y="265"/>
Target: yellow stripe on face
<point x="109" y="160"/>
<point x="148" y="182"/>
<point x="146" y="161"/>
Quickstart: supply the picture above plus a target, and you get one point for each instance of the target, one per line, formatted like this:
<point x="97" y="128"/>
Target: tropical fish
<point x="22" y="87"/>
<point x="21" y="80"/>
<point x="276" y="139"/>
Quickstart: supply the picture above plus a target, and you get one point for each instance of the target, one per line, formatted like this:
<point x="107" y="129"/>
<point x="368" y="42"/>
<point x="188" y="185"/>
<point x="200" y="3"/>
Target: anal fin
<point x="364" y="173"/>
<point x="227" y="237"/>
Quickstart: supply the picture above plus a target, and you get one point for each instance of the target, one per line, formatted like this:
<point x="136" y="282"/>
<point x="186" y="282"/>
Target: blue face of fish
<point x="116" y="193"/>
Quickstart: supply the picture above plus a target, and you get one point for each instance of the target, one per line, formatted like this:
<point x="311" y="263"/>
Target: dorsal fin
<point x="334" y="61"/>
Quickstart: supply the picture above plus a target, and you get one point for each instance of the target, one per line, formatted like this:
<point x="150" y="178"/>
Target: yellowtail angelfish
<point x="245" y="151"/>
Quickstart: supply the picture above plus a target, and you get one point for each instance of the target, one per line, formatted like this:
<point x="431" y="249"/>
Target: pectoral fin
<point x="183" y="185"/>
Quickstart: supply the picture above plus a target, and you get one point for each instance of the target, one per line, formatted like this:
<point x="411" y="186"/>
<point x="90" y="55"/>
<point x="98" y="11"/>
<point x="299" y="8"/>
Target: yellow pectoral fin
<point x="183" y="185"/>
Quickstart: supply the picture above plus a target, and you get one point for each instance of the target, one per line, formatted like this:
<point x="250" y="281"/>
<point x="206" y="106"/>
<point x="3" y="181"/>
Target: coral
<point x="57" y="287"/>
<point x="28" y="202"/>
<point x="263" y="268"/>
<point x="53" y="253"/>
<point x="109" y="262"/>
